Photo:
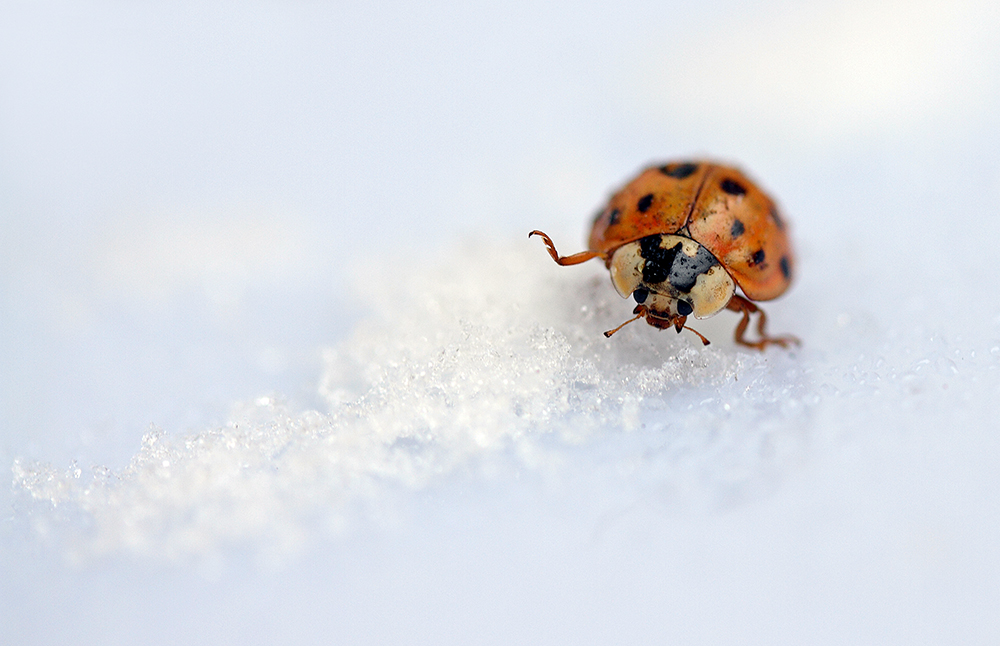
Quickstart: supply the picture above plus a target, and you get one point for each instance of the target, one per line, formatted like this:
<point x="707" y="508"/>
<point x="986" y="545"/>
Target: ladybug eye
<point x="640" y="295"/>
<point x="684" y="308"/>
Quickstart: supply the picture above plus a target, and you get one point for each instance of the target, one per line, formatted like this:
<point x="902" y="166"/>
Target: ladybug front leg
<point x="739" y="304"/>
<point x="575" y="259"/>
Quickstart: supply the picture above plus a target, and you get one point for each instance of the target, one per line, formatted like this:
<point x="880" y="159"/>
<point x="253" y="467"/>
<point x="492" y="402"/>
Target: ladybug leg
<point x="746" y="308"/>
<point x="575" y="259"/>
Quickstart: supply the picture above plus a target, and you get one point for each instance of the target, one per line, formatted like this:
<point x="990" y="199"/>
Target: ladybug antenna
<point x="699" y="334"/>
<point x="638" y="316"/>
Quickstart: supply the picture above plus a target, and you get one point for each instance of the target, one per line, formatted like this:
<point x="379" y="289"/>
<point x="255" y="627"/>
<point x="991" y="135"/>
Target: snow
<point x="280" y="365"/>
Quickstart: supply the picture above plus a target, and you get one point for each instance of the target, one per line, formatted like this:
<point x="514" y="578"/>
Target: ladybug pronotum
<point x="682" y="237"/>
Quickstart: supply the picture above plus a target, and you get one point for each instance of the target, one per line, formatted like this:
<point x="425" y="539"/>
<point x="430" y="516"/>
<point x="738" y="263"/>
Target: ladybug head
<point x="671" y="277"/>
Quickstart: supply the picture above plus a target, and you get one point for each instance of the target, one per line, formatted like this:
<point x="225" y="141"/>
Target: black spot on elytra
<point x="786" y="268"/>
<point x="644" y="203"/>
<point x="613" y="218"/>
<point x="673" y="264"/>
<point x="679" y="171"/>
<point x="640" y="295"/>
<point x="737" y="229"/>
<point x="733" y="187"/>
<point x="684" y="308"/>
<point x="757" y="257"/>
<point x="777" y="218"/>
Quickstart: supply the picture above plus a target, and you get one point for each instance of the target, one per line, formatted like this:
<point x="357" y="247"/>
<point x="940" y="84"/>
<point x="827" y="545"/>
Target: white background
<point x="217" y="214"/>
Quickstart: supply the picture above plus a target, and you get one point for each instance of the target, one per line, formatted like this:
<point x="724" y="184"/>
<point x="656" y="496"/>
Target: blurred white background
<point x="188" y="192"/>
<point x="184" y="185"/>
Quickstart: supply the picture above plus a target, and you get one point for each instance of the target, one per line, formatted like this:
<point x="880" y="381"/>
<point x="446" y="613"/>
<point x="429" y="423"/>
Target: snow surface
<point x="280" y="366"/>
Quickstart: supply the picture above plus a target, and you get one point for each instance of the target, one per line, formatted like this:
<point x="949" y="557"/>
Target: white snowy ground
<point x="278" y="364"/>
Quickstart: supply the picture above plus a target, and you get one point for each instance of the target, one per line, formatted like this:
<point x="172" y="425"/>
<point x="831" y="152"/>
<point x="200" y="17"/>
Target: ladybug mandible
<point x="681" y="237"/>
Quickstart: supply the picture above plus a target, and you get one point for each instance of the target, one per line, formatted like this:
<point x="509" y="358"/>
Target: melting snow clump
<point x="489" y="369"/>
<point x="497" y="368"/>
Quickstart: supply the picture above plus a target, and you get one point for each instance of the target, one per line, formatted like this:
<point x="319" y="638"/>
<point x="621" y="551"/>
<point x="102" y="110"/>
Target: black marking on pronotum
<point x="672" y="264"/>
<point x="732" y="187"/>
<point x="685" y="270"/>
<point x="640" y="295"/>
<point x="737" y="229"/>
<point x="644" y="203"/>
<point x="679" y="171"/>
<point x="757" y="257"/>
<point x="777" y="218"/>
<point x="684" y="308"/>
<point x="613" y="218"/>
<point x="658" y="260"/>
<point x="785" y="267"/>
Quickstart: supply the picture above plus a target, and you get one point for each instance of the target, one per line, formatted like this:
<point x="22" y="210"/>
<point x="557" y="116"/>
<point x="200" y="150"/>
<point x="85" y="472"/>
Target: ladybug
<point x="681" y="237"/>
